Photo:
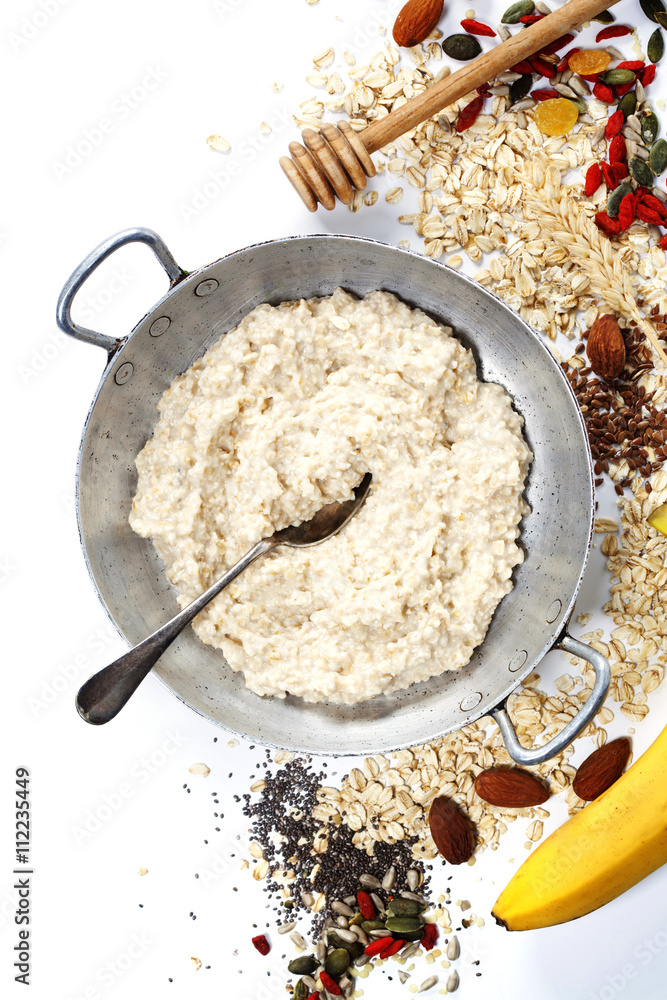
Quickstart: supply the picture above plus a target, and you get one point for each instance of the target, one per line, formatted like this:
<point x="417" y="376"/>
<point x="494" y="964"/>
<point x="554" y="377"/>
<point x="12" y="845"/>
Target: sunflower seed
<point x="321" y="951"/>
<point x="346" y="935"/>
<point x="379" y="903"/>
<point x="361" y="934"/>
<point x="412" y="895"/>
<point x="286" y="928"/>
<point x="566" y="91"/>
<point x="411" y="950"/>
<point x="379" y="933"/>
<point x="338" y="906"/>
<point x="413" y="879"/>
<point x="453" y="982"/>
<point x="389" y="879"/>
<point x="296" y="939"/>
<point x="453" y="949"/>
<point x="370" y="881"/>
<point x="429" y="983"/>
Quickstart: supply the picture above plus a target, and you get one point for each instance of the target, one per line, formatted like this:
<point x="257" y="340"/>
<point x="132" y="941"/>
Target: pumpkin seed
<point x="404" y="925"/>
<point x="652" y="7"/>
<point x="401" y="907"/>
<point x="337" y="962"/>
<point x="614" y="76"/>
<point x="656" y="46"/>
<point x="303" y="965"/>
<point x="372" y="925"/>
<point x="300" y="991"/>
<point x="661" y="17"/>
<point x="579" y="103"/>
<point x="462" y="48"/>
<point x="518" y="10"/>
<point x="615" y="198"/>
<point x="658" y="157"/>
<point x="604" y="17"/>
<point x="357" y="919"/>
<point x="520" y="87"/>
<point x="650" y="126"/>
<point x="628" y="104"/>
<point x="641" y="171"/>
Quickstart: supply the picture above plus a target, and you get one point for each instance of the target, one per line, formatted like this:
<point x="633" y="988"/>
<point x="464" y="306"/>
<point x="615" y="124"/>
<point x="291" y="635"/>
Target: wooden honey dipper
<point x="336" y="161"/>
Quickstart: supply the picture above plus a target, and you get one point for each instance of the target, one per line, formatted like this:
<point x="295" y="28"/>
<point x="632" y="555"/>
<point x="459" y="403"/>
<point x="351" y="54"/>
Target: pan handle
<point x="93" y="261"/>
<point x="587" y="712"/>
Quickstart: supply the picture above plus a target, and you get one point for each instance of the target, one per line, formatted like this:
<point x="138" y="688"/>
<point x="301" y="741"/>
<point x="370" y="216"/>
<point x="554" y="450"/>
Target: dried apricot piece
<point x="556" y="116"/>
<point x="588" y="62"/>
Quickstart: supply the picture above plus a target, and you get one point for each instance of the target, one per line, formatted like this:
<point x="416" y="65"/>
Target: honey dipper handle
<point x="482" y="69"/>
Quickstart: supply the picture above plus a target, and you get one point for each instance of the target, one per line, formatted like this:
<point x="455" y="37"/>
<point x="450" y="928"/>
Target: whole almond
<point x="510" y="788"/>
<point x="451" y="831"/>
<point x="599" y="771"/>
<point x="416" y="21"/>
<point x="605" y="347"/>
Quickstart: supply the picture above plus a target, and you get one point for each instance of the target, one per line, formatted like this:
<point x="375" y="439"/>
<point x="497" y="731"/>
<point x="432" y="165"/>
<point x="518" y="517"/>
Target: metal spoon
<point x="105" y="693"/>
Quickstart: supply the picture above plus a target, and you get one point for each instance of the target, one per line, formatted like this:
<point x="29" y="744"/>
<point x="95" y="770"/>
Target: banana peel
<point x="598" y="854"/>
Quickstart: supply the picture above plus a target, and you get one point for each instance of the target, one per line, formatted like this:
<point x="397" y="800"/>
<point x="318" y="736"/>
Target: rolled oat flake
<point x="461" y="47"/>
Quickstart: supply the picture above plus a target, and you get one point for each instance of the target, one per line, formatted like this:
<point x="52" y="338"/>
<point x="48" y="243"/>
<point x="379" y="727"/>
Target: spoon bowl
<point x="107" y="691"/>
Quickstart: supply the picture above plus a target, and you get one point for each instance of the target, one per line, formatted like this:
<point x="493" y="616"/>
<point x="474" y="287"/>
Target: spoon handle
<point x="106" y="692"/>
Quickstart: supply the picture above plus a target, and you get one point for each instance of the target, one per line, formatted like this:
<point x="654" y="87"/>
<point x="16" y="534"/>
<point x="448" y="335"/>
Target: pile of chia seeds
<point x="282" y="822"/>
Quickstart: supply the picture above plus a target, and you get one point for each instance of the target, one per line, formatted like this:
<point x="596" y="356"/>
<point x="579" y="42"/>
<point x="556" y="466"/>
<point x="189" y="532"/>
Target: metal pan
<point x="556" y="535"/>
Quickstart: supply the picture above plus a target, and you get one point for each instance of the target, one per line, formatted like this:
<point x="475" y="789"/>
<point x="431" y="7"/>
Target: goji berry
<point x="611" y="227"/>
<point x="608" y="176"/>
<point x="261" y="944"/>
<point x="593" y="181"/>
<point x="375" y="947"/>
<point x="647" y="75"/>
<point x="469" y="114"/>
<point x="522" y="67"/>
<point x="621" y="89"/>
<point x="484" y="90"/>
<point x="544" y="95"/>
<point x="477" y="28"/>
<point x="392" y="948"/>
<point x="563" y="64"/>
<point x="554" y="46"/>
<point x="603" y="93"/>
<point x="542" y="68"/>
<point x="330" y="984"/>
<point x="366" y="905"/>
<point x="429" y="937"/>
<point x="635" y="65"/>
<point x="531" y="18"/>
<point x="313" y="996"/>
<point x="618" y="171"/>
<point x="627" y="211"/>
<point x="614" y="124"/>
<point x="647" y="214"/>
<point x="618" y="151"/>
<point x="613" y="31"/>
<point x="662" y="242"/>
<point x="646" y="198"/>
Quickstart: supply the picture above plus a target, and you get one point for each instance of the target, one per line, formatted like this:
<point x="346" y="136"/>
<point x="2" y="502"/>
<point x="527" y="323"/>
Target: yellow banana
<point x="613" y="843"/>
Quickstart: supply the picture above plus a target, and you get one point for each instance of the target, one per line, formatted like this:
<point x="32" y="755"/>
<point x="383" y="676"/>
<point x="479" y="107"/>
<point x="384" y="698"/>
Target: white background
<point x="108" y="801"/>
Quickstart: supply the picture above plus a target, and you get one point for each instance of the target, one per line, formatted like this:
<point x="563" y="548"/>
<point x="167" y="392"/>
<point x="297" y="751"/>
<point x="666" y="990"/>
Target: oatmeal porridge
<point x="285" y="414"/>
